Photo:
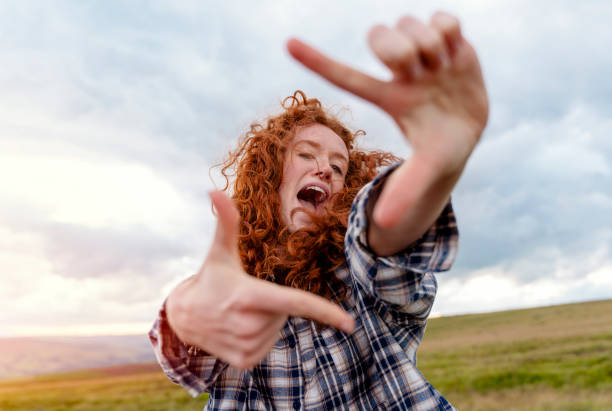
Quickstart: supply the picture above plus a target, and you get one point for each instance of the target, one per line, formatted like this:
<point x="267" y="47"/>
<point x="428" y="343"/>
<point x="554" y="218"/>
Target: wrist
<point x="439" y="167"/>
<point x="178" y="309"/>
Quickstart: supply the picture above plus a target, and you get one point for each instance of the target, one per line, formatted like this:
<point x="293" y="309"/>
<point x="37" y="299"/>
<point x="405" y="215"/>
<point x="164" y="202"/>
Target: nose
<point x="324" y="171"/>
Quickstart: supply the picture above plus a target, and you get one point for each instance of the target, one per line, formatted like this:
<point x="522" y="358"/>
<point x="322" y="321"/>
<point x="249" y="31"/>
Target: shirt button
<point x="296" y="404"/>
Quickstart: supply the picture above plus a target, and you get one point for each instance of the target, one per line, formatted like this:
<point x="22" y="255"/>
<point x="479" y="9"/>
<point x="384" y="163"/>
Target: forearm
<point x="428" y="197"/>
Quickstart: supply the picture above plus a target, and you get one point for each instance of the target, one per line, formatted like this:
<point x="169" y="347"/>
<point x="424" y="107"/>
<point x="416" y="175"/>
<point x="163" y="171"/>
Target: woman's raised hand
<point x="436" y="96"/>
<point x="234" y="316"/>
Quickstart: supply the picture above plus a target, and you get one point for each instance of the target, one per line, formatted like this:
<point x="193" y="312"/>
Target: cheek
<point x="283" y="193"/>
<point x="286" y="189"/>
<point x="289" y="169"/>
<point x="284" y="184"/>
<point x="337" y="186"/>
<point x="284" y="202"/>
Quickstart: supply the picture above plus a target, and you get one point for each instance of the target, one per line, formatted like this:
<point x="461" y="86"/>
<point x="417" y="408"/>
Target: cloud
<point x="543" y="182"/>
<point x="93" y="194"/>
<point x="554" y="279"/>
<point x="86" y="238"/>
<point x="41" y="289"/>
<point x="112" y="113"/>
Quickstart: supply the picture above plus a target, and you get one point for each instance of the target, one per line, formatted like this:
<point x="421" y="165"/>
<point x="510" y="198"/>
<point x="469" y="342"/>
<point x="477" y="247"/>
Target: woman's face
<point x="315" y="166"/>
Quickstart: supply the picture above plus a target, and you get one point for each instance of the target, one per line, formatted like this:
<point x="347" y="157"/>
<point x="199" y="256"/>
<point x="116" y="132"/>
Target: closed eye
<point x="305" y="155"/>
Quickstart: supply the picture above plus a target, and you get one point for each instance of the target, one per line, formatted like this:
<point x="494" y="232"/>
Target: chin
<point x="300" y="221"/>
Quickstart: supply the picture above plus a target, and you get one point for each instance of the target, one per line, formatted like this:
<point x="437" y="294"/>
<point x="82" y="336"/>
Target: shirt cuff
<point x="434" y="251"/>
<point x="188" y="366"/>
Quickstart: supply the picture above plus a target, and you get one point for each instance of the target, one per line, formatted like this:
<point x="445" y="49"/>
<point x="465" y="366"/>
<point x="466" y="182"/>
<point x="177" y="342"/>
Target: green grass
<point x="550" y="358"/>
<point x="557" y="358"/>
<point x="141" y="390"/>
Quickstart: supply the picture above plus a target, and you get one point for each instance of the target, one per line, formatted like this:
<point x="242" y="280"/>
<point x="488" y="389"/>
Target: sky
<point x="112" y="114"/>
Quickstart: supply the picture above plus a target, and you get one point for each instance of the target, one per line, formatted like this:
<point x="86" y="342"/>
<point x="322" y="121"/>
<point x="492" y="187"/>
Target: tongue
<point x="310" y="195"/>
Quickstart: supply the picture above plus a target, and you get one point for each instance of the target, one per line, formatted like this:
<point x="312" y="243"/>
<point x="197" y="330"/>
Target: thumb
<point x="226" y="234"/>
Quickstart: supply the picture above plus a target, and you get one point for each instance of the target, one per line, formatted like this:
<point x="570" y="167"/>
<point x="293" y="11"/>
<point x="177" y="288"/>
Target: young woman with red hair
<point x="320" y="279"/>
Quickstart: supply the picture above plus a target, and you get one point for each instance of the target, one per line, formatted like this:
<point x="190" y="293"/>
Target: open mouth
<point x="312" y="195"/>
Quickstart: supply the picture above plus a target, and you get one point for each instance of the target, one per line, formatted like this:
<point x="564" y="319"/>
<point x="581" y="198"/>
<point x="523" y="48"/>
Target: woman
<point x="308" y="240"/>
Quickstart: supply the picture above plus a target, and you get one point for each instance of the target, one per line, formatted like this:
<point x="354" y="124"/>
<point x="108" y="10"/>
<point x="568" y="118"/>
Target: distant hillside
<point x="540" y="359"/>
<point x="548" y="358"/>
<point x="42" y="355"/>
<point x="131" y="387"/>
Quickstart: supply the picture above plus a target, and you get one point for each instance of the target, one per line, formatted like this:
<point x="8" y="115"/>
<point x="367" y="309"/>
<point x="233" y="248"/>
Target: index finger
<point x="285" y="300"/>
<point x="354" y="81"/>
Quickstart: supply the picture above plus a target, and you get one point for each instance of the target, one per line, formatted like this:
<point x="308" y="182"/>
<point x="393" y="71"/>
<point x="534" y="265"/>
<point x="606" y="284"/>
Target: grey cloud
<point x="544" y="59"/>
<point x="112" y="251"/>
<point x="173" y="84"/>
<point x="85" y="252"/>
<point x="541" y="183"/>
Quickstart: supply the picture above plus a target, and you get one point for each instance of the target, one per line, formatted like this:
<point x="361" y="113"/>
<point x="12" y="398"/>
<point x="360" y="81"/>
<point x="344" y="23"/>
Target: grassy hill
<point x="550" y="358"/>
<point x="123" y="388"/>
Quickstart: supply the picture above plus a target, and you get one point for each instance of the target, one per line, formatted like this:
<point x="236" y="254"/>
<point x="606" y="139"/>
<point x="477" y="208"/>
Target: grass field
<point x="551" y="358"/>
<point x="130" y="388"/>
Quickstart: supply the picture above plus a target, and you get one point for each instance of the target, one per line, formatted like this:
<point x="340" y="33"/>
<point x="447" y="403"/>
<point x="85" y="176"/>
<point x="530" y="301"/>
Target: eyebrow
<point x="318" y="147"/>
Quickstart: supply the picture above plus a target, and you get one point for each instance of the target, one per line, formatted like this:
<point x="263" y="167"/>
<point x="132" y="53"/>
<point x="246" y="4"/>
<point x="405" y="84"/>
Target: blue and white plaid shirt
<point x="321" y="368"/>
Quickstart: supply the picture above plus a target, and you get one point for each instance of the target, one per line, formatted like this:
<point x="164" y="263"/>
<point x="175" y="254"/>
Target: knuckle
<point x="407" y="21"/>
<point x="249" y="330"/>
<point x="240" y="300"/>
<point x="445" y="22"/>
<point x="439" y="16"/>
<point x="432" y="41"/>
<point x="236" y="305"/>
<point x="246" y="301"/>
<point x="377" y="29"/>
<point x="251" y="348"/>
<point x="453" y="22"/>
<point x="408" y="50"/>
<point x="241" y="361"/>
<point x="246" y="359"/>
<point x="377" y="33"/>
<point x="233" y="300"/>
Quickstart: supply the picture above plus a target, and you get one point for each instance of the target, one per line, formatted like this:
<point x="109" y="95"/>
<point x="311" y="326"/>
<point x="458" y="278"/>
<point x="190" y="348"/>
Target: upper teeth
<point x="319" y="189"/>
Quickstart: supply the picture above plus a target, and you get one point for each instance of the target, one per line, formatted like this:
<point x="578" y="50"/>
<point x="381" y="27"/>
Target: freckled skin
<point x="316" y="155"/>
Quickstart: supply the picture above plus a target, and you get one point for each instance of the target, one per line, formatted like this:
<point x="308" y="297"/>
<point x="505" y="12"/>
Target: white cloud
<point x="557" y="279"/>
<point x="111" y="114"/>
<point x="93" y="193"/>
<point x="35" y="294"/>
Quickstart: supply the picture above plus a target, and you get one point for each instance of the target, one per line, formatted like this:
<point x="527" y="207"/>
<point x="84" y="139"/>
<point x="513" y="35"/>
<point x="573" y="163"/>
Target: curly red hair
<point x="307" y="258"/>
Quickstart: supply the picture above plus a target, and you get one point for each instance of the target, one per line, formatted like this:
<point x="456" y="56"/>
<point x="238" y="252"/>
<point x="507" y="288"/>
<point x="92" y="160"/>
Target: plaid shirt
<point x="314" y="368"/>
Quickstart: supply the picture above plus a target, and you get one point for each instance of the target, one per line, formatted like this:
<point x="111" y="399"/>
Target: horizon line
<point x="78" y="330"/>
<point x="142" y="328"/>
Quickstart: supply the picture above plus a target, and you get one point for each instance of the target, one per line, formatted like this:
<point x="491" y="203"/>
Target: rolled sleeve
<point x="406" y="279"/>
<point x="190" y="367"/>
